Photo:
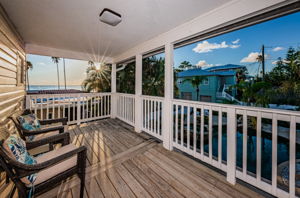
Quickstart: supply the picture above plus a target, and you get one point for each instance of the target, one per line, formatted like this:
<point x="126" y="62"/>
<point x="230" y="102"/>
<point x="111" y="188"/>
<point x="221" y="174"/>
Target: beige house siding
<point x="12" y="70"/>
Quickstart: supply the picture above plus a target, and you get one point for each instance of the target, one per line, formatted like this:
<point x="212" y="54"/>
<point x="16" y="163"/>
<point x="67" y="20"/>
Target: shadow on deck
<point x="122" y="163"/>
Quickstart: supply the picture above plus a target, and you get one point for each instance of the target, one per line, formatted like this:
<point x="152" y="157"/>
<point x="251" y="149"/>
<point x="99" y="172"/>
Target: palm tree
<point x="98" y="80"/>
<point x="28" y="66"/>
<point x="65" y="74"/>
<point x="153" y="76"/>
<point x="196" y="81"/>
<point x="56" y="61"/>
<point x="185" y="65"/>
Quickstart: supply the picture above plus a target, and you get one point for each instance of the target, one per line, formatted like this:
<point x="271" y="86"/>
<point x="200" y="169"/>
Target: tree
<point x="280" y="86"/>
<point x="28" y="66"/>
<point x="126" y="79"/>
<point x="153" y="80"/>
<point x="98" y="80"/>
<point x="195" y="82"/>
<point x="56" y="61"/>
<point x="185" y="65"/>
<point x="65" y="79"/>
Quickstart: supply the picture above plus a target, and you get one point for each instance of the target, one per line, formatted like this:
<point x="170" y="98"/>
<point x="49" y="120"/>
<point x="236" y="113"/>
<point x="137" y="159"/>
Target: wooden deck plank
<point x="92" y="158"/>
<point x="76" y="192"/>
<point x="93" y="143"/>
<point x="208" y="175"/>
<point x="182" y="176"/>
<point x="78" y="141"/>
<point x="161" y="183"/>
<point x="131" y="181"/>
<point x="134" y="165"/>
<point x="144" y="180"/>
<point x="115" y="136"/>
<point x="103" y="138"/>
<point x="106" y="186"/>
<point x="180" y="187"/>
<point x="128" y="133"/>
<point x="119" y="184"/>
<point x="93" y="189"/>
<point x="106" y="133"/>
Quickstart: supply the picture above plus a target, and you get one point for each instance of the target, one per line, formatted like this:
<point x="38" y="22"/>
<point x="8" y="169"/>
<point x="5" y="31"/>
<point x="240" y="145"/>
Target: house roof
<point x="224" y="67"/>
<point x="212" y="71"/>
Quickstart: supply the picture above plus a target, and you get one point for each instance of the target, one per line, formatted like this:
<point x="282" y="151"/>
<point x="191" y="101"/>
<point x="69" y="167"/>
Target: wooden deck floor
<point x="122" y="163"/>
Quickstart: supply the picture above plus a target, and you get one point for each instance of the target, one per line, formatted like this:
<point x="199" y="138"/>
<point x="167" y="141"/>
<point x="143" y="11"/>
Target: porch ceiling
<point x="72" y="28"/>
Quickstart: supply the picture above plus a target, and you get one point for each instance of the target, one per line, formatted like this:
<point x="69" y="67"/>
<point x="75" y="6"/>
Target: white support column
<point x="78" y="109"/>
<point x="138" y="93"/>
<point x="114" y="90"/>
<point x="231" y="145"/>
<point x="167" y="125"/>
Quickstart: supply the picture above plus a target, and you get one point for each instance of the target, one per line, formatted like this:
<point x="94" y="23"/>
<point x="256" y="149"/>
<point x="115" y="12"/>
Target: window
<point x="205" y="82"/>
<point x="186" y="95"/>
<point x="153" y="79"/>
<point x="126" y="77"/>
<point x="205" y="98"/>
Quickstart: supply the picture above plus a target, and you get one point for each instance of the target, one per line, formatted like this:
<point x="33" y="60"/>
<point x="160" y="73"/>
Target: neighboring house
<point x="215" y="88"/>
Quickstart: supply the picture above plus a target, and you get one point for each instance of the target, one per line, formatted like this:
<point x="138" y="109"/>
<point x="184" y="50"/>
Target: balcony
<point x="153" y="146"/>
<point x="122" y="163"/>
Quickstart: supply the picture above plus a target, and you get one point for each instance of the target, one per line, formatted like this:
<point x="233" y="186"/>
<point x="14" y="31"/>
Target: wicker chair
<point x="44" y="131"/>
<point x="51" y="168"/>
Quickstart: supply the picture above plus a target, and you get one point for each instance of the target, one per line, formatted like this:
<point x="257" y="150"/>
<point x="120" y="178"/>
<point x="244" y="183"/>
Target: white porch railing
<point x="76" y="107"/>
<point x="199" y="127"/>
<point x="152" y="108"/>
<point x="218" y="134"/>
<point x="126" y="108"/>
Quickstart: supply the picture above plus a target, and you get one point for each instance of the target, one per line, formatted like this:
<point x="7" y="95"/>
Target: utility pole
<point x="263" y="61"/>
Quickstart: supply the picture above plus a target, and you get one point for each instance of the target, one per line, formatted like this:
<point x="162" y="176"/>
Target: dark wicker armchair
<point x="51" y="168"/>
<point x="44" y="131"/>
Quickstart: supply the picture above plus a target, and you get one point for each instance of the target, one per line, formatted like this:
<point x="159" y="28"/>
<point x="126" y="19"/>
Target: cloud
<point x="205" y="46"/>
<point x="274" y="62"/>
<point x="276" y="49"/>
<point x="41" y="63"/>
<point x="203" y="63"/>
<point x="236" y="41"/>
<point x="251" y="58"/>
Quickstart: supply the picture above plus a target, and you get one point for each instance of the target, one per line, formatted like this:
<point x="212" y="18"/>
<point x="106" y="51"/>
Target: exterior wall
<point x="12" y="71"/>
<point x="205" y="90"/>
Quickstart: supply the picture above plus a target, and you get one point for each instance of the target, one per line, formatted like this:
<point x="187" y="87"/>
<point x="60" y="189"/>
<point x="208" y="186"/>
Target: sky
<point x="243" y="46"/>
<point x="44" y="71"/>
<point x="239" y="47"/>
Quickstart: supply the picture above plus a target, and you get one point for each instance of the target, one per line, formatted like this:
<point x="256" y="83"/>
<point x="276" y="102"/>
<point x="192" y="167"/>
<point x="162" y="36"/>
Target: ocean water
<point x="53" y="87"/>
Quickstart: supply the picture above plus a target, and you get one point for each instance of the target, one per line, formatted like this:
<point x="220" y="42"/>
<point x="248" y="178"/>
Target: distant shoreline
<point x="53" y="87"/>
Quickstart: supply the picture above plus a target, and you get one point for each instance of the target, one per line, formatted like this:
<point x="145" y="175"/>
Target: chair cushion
<point x="30" y="123"/>
<point x="16" y="148"/>
<point x="42" y="135"/>
<point x="61" y="167"/>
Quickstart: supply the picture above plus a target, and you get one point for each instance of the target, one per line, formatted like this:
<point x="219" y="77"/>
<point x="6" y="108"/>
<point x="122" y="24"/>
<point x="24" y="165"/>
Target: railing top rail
<point x="126" y="94"/>
<point x="68" y="94"/>
<point x="153" y="97"/>
<point x="239" y="107"/>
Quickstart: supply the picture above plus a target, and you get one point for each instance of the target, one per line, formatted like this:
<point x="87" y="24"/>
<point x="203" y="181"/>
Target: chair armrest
<point x="63" y="138"/>
<point x="46" y="130"/>
<point x="25" y="169"/>
<point x="51" y="121"/>
<point x="27" y="111"/>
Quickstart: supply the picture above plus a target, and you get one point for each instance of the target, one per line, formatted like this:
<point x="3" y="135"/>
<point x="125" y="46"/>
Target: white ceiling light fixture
<point x="110" y="17"/>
